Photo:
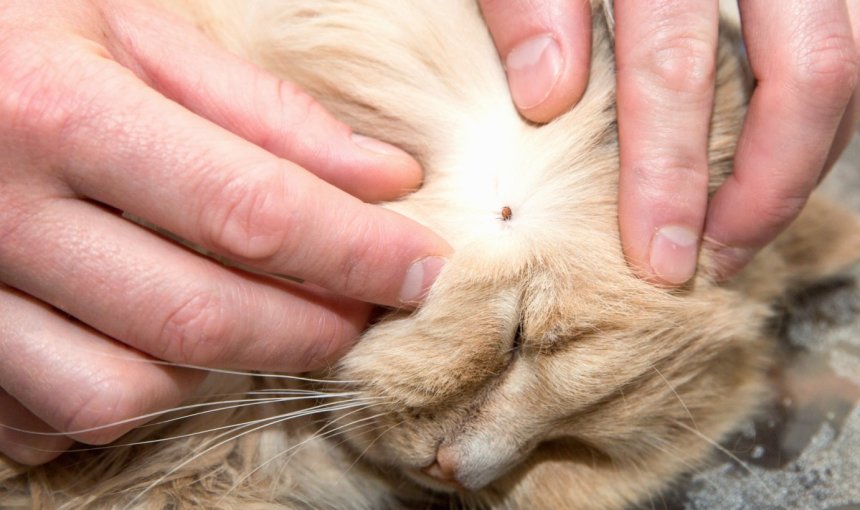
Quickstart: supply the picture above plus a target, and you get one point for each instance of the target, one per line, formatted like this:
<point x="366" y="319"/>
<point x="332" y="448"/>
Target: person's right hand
<point x="112" y="105"/>
<point x="805" y="57"/>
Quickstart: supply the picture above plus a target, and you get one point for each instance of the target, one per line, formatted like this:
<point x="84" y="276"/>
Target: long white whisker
<point x="154" y="361"/>
<point x="331" y="433"/>
<point x="289" y="391"/>
<point x="321" y="408"/>
<point x="726" y="452"/>
<point x="360" y="455"/>
<point x="316" y="409"/>
<point x="317" y="435"/>
<point x="326" y="407"/>
<point x="672" y="388"/>
<point x="251" y="402"/>
<point x="250" y="374"/>
<point x="241" y="402"/>
<point x="623" y="396"/>
<point x="667" y="447"/>
<point x="263" y="391"/>
<point x="206" y="449"/>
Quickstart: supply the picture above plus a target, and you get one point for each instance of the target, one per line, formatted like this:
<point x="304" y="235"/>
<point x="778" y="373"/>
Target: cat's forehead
<point x="541" y="198"/>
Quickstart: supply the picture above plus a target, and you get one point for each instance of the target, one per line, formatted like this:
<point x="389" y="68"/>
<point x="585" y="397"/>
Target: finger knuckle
<point x="34" y="454"/>
<point x="665" y="179"/>
<point x="357" y="276"/>
<point x="40" y="93"/>
<point x="247" y="220"/>
<point x="17" y="218"/>
<point x="683" y="62"/>
<point x="330" y="336"/>
<point x="25" y="91"/>
<point x="827" y="68"/>
<point x="274" y="122"/>
<point x="195" y="330"/>
<point x="776" y="211"/>
<point x="297" y="112"/>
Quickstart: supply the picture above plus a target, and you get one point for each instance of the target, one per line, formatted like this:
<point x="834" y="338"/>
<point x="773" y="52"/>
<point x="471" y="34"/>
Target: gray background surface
<point x="804" y="451"/>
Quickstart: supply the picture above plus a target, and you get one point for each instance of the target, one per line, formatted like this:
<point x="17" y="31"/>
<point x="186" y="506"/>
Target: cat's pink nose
<point x="444" y="469"/>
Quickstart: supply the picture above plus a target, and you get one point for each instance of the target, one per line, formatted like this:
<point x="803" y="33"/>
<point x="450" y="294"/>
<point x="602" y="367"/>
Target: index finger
<point x="127" y="146"/>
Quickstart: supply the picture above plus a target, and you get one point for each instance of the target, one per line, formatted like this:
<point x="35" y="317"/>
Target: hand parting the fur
<point x="804" y="57"/>
<point x="111" y="106"/>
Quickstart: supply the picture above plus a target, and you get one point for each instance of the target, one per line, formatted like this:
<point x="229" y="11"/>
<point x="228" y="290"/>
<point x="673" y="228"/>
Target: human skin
<point x="802" y="113"/>
<point x="113" y="105"/>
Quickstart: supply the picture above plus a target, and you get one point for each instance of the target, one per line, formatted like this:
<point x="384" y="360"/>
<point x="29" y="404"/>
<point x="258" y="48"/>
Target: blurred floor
<point x="804" y="452"/>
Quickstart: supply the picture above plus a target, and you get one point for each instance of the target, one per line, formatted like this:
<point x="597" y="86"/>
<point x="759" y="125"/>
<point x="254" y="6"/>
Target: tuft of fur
<point x="540" y="368"/>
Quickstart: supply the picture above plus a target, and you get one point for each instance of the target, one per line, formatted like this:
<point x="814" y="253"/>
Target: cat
<point x="540" y="373"/>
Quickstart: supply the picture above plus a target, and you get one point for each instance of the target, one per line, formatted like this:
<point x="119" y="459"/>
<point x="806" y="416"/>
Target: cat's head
<point x="556" y="347"/>
<point x="538" y="358"/>
<point x="538" y="346"/>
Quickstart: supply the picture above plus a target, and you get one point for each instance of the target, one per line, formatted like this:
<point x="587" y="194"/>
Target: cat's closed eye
<point x="517" y="342"/>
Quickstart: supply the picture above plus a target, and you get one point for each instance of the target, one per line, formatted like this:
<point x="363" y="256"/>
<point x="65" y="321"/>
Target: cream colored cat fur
<point x="540" y="373"/>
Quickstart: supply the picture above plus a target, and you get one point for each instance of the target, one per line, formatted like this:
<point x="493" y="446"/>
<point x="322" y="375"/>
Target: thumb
<point x="546" y="48"/>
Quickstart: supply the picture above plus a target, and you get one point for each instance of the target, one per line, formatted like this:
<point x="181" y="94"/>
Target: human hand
<point x="802" y="113"/>
<point x="112" y="105"/>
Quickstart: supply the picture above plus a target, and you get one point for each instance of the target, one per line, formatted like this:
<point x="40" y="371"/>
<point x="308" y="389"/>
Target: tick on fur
<point x="506" y="213"/>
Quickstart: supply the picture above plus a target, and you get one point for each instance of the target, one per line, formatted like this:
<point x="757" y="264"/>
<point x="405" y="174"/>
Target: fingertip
<point x="419" y="278"/>
<point x="668" y="258"/>
<point x="26" y="454"/>
<point x="24" y="437"/>
<point x="534" y="68"/>
<point x="661" y="218"/>
<point x="544" y="83"/>
<point x="546" y="49"/>
<point x="673" y="254"/>
<point x="399" y="263"/>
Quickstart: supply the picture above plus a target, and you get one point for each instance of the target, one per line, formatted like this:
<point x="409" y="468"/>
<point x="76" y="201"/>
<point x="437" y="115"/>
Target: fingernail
<point x="419" y="278"/>
<point x="533" y="68"/>
<point x="377" y="146"/>
<point x="674" y="252"/>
